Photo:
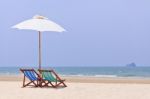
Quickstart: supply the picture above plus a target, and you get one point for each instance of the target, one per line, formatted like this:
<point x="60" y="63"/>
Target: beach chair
<point x="50" y="77"/>
<point x="33" y="77"/>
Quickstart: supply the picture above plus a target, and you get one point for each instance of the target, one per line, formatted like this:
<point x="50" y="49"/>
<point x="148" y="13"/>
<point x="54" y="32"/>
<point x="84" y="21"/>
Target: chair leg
<point x="64" y="84"/>
<point x="24" y="85"/>
<point x="28" y="84"/>
<point x="23" y="81"/>
<point x="61" y="83"/>
<point x="52" y="85"/>
<point x="36" y="85"/>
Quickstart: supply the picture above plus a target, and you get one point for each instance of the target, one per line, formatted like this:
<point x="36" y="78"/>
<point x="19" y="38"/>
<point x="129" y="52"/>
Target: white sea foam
<point x="81" y="75"/>
<point x="105" y="76"/>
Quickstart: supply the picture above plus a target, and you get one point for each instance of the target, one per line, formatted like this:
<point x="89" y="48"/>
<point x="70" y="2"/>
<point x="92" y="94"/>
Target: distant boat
<point x="131" y="65"/>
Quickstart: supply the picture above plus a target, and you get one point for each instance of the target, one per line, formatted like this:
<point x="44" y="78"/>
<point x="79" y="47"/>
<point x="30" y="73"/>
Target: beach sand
<point x="78" y="88"/>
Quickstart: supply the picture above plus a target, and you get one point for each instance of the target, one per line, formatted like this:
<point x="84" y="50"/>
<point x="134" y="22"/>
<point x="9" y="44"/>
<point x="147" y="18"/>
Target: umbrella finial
<point x="39" y="17"/>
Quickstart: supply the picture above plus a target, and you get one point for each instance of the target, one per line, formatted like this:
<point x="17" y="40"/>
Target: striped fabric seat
<point x="30" y="75"/>
<point x="48" y="76"/>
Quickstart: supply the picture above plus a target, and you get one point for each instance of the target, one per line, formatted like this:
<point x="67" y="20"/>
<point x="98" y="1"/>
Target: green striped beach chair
<point x="50" y="77"/>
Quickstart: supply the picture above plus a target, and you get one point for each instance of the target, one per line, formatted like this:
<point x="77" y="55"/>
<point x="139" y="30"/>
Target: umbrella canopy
<point x="40" y="24"/>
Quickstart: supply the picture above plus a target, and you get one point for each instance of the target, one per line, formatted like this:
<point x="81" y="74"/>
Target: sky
<point x="99" y="33"/>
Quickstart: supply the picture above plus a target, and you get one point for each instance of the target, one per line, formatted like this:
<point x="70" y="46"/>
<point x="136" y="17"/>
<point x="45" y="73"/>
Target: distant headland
<point x="131" y="65"/>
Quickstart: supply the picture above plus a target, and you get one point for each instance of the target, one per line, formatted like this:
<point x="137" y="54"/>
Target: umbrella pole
<point x="40" y="60"/>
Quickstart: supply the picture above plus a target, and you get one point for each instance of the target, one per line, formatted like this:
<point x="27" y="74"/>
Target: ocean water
<point x="89" y="71"/>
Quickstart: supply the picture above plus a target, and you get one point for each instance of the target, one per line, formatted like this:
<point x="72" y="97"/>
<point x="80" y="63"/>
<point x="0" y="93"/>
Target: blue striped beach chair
<point x="33" y="77"/>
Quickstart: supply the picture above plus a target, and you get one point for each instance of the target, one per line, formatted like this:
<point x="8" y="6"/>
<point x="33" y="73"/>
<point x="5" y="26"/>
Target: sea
<point x="91" y="71"/>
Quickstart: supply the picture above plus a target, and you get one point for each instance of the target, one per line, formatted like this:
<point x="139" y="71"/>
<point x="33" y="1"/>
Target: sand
<point x="78" y="88"/>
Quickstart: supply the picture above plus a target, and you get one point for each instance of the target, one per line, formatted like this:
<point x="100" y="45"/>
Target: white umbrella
<point x="40" y="24"/>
